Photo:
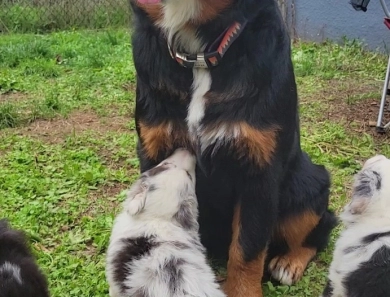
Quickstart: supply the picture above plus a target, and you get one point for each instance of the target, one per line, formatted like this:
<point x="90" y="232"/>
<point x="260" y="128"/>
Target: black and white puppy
<point x="361" y="263"/>
<point x="19" y="273"/>
<point x="154" y="247"/>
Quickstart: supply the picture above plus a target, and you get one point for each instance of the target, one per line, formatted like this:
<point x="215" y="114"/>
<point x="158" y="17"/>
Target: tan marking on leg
<point x="257" y="145"/>
<point x="290" y="267"/>
<point x="244" y="278"/>
<point x="166" y="136"/>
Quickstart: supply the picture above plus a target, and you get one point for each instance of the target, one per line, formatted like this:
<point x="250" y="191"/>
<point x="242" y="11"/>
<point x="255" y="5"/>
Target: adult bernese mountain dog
<point x="216" y="77"/>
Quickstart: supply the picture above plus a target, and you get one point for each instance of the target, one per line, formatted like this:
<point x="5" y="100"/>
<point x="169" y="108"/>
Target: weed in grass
<point x="8" y="116"/>
<point x="47" y="109"/>
<point x="8" y="84"/>
<point x="53" y="103"/>
<point x="13" y="53"/>
<point x="111" y="39"/>
<point x="44" y="68"/>
<point x="357" y="97"/>
<point x="94" y="60"/>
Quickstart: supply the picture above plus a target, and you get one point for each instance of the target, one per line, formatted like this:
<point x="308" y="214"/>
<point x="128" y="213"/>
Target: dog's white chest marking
<point x="196" y="109"/>
<point x="203" y="136"/>
<point x="176" y="15"/>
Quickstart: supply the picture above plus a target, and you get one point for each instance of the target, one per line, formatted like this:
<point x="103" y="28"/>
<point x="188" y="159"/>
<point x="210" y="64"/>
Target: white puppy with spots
<point x="154" y="247"/>
<point x="361" y="263"/>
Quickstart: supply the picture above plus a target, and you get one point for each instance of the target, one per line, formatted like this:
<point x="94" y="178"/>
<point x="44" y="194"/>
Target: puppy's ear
<point x="136" y="197"/>
<point x="187" y="215"/>
<point x="358" y="205"/>
<point x="367" y="183"/>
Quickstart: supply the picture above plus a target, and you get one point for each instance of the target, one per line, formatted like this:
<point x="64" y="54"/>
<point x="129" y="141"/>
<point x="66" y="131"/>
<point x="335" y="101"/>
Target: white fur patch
<point x="177" y="13"/>
<point x="8" y="267"/>
<point x="219" y="136"/>
<point x="283" y="275"/>
<point x="196" y="109"/>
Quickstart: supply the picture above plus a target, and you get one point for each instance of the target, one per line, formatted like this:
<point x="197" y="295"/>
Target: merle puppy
<point x="154" y="247"/>
<point x="19" y="273"/>
<point x="361" y="263"/>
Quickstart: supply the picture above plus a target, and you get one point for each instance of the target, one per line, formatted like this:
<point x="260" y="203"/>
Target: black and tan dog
<point x="216" y="77"/>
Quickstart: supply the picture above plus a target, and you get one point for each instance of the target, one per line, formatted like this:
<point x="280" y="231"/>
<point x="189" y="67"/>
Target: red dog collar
<point x="213" y="53"/>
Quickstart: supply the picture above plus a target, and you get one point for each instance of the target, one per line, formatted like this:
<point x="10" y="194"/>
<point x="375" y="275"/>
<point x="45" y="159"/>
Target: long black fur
<point x="15" y="250"/>
<point x="258" y="69"/>
<point x="135" y="249"/>
<point x="371" y="279"/>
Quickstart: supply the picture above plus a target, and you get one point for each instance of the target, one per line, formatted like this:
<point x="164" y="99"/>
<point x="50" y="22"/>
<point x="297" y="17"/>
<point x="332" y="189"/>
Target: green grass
<point x="44" y="16"/>
<point x="67" y="142"/>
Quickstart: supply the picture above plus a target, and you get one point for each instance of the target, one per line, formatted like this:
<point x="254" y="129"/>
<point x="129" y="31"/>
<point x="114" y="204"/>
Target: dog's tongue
<point x="149" y="1"/>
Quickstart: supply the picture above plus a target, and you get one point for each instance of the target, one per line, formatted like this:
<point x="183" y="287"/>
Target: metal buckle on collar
<point x="187" y="61"/>
<point x="200" y="61"/>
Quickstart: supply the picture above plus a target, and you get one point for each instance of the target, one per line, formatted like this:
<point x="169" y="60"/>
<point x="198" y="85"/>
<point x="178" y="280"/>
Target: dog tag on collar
<point x="200" y="62"/>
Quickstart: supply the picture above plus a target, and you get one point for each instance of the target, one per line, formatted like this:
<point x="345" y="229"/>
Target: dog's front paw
<point x="289" y="268"/>
<point x="285" y="271"/>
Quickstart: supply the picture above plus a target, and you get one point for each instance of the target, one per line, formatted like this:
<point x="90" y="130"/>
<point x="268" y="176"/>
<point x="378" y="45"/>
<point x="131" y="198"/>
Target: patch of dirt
<point x="11" y="97"/>
<point x="354" y="104"/>
<point x="108" y="193"/>
<point x="362" y="116"/>
<point x="57" y="130"/>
